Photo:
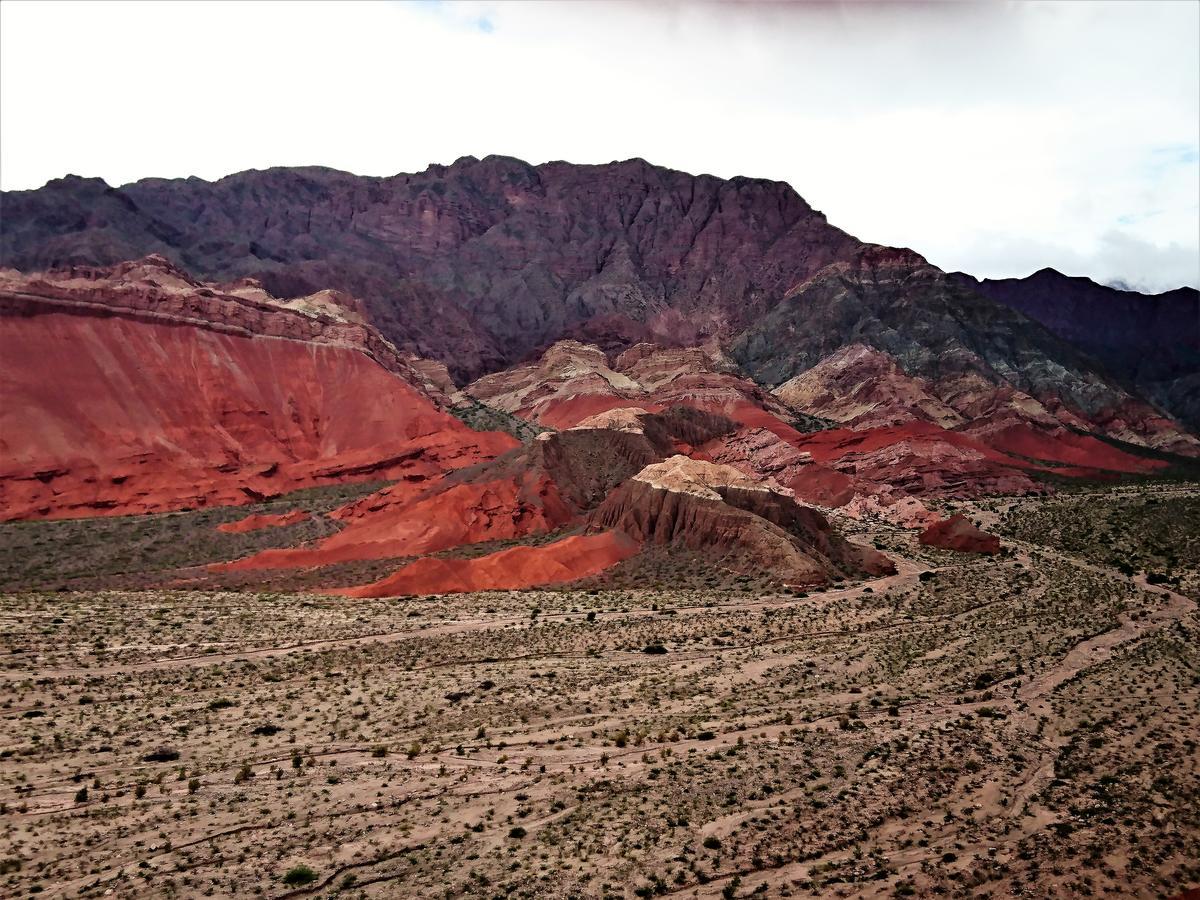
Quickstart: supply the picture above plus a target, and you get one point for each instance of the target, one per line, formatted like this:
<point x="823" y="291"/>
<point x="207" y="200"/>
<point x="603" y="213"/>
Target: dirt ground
<point x="1018" y="726"/>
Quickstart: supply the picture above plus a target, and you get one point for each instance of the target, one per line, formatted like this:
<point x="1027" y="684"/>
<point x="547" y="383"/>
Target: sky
<point x="993" y="138"/>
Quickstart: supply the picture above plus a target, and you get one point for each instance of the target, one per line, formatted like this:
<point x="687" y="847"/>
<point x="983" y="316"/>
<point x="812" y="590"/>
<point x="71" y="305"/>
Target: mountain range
<point x="615" y="356"/>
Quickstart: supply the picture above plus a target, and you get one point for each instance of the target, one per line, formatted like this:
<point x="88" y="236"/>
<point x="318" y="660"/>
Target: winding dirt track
<point x="1034" y="695"/>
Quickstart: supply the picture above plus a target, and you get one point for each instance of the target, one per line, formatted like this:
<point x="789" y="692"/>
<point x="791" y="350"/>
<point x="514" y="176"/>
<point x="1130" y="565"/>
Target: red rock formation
<point x="144" y="392"/>
<point x="258" y="522"/>
<point x="744" y="524"/>
<point x="445" y="516"/>
<point x="533" y="490"/>
<point x="959" y="533"/>
<point x="574" y="382"/>
<point x="563" y="561"/>
<point x="858" y="386"/>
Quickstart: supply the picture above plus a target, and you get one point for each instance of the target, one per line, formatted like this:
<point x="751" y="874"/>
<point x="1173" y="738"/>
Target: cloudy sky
<point x="994" y="138"/>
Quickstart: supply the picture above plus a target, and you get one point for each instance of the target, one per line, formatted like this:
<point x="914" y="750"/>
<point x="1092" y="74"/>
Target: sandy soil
<point x="1011" y="726"/>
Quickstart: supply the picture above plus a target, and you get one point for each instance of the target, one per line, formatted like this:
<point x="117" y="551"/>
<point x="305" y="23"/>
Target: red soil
<point x="519" y="567"/>
<point x="1067" y="447"/>
<point x="105" y="414"/>
<point x="828" y="446"/>
<point x="823" y="486"/>
<point x="429" y="521"/>
<point x="1083" y="453"/>
<point x="255" y="523"/>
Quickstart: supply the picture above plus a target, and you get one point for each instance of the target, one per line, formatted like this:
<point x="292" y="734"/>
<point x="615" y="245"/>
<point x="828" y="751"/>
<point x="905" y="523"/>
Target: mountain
<point x="981" y="357"/>
<point x="485" y="263"/>
<point x="475" y="264"/>
<point x="1150" y="342"/>
<point x="672" y="362"/>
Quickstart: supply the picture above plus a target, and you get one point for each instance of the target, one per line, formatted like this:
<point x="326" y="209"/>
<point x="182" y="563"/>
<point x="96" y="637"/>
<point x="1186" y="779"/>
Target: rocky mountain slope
<point x="475" y="264"/>
<point x="1149" y="341"/>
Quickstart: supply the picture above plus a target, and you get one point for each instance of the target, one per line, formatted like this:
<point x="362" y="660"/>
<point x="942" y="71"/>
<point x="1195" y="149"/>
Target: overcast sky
<point x="992" y="138"/>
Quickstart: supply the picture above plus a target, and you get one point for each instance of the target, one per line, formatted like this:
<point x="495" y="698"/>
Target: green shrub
<point x="299" y="875"/>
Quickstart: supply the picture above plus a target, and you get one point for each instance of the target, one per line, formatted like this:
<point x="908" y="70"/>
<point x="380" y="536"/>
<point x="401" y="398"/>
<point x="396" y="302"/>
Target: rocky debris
<point x="258" y="522"/>
<point x="959" y="533"/>
<point x="560" y="562"/>
<point x="746" y="524"/>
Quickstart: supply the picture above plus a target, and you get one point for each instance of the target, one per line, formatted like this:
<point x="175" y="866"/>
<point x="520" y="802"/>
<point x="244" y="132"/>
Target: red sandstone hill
<point x="549" y="483"/>
<point x="137" y="389"/>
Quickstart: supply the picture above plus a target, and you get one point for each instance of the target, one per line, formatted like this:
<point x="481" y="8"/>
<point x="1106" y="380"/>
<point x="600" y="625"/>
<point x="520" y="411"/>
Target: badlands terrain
<point x="601" y="531"/>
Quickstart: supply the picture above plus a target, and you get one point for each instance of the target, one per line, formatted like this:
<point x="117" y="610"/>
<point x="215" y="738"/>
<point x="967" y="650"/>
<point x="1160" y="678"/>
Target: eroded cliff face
<point x="138" y="390"/>
<point x="747" y="524"/>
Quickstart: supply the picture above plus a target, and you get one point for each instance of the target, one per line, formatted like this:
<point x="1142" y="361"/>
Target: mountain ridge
<point x="486" y="263"/>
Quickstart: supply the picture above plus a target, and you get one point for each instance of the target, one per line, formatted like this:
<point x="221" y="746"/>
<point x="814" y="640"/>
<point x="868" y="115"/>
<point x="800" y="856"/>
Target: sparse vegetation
<point x="781" y="742"/>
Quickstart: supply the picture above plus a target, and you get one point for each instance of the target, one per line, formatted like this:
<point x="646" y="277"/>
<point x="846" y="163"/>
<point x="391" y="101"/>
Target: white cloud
<point x="993" y="138"/>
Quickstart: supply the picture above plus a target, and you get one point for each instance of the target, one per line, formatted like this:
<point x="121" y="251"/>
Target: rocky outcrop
<point x="959" y="533"/>
<point x="139" y="390"/>
<point x="574" y="383"/>
<point x="745" y="524"/>
<point x="859" y="386"/>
